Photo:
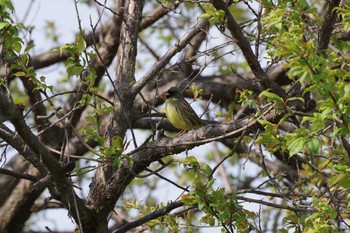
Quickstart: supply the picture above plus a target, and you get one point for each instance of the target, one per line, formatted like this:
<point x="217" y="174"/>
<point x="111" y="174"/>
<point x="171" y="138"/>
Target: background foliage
<point x="270" y="77"/>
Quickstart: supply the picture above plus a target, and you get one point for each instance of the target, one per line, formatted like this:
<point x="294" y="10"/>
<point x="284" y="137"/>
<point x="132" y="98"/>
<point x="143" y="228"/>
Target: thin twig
<point x="155" y="214"/>
<point x="18" y="175"/>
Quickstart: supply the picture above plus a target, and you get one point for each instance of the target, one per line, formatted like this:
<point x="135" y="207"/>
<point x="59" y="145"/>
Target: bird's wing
<point x="188" y="110"/>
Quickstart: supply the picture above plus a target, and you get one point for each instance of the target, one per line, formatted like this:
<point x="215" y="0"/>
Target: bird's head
<point x="172" y="92"/>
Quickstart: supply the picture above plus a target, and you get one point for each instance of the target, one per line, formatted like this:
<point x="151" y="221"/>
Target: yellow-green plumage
<point x="179" y="112"/>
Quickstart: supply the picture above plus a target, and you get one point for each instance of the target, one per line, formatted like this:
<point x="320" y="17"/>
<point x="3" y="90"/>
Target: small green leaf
<point x="117" y="161"/>
<point x="65" y="48"/>
<point x="296" y="145"/>
<point x="6" y="4"/>
<point x="117" y="142"/>
<point x="220" y="14"/>
<point x="296" y="98"/>
<point x="190" y="160"/>
<point x="189" y="199"/>
<point x="195" y="91"/>
<point x="3" y="24"/>
<point x="19" y="74"/>
<point x="29" y="47"/>
<point x="109" y="151"/>
<point x="211" y="221"/>
<point x="271" y="97"/>
<point x="314" y="145"/>
<point x="73" y="68"/>
<point x="212" y="21"/>
<point x="340" y="167"/>
<point x="264" y="122"/>
<point x="204" y="16"/>
<point x="42" y="78"/>
<point x="345" y="182"/>
<point x="201" y="205"/>
<point x="206" y="169"/>
<point x="80" y="44"/>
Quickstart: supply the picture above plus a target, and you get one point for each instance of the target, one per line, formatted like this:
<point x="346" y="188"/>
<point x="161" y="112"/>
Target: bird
<point x="179" y="112"/>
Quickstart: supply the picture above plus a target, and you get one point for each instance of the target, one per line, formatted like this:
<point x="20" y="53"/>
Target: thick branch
<point x="108" y="50"/>
<point x="328" y="23"/>
<point x="156" y="150"/>
<point x="218" y="89"/>
<point x="128" y="46"/>
<point x="126" y="60"/>
<point x="63" y="188"/>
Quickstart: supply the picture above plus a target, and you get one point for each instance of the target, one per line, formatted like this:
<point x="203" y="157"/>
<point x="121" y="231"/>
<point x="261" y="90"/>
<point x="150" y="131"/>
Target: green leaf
<point x="270" y="141"/>
<point x="296" y="98"/>
<point x="91" y="77"/>
<point x="16" y="45"/>
<point x="201" y="205"/>
<point x="296" y="145"/>
<point x="69" y="48"/>
<point x="73" y="68"/>
<point x="204" y="16"/>
<point x="117" y="142"/>
<point x="19" y="74"/>
<point x="42" y="78"/>
<point x="345" y="182"/>
<point x="341" y="180"/>
<point x="341" y="167"/>
<point x="117" y="161"/>
<point x="206" y="169"/>
<point x="264" y="122"/>
<point x="190" y="160"/>
<point x="189" y="199"/>
<point x="109" y="151"/>
<point x="6" y="4"/>
<point x="212" y="21"/>
<point x="195" y="91"/>
<point x="220" y="14"/>
<point x="3" y="24"/>
<point x="314" y="145"/>
<point x="80" y="44"/>
<point x="271" y="97"/>
<point x="347" y="90"/>
<point x="90" y="120"/>
<point x="29" y="47"/>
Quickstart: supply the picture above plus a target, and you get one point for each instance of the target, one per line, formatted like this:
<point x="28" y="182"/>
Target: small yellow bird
<point x="180" y="114"/>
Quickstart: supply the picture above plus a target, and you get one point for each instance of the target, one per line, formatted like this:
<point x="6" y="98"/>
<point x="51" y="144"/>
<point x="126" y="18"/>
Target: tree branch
<point x="244" y="45"/>
<point x="7" y="183"/>
<point x="20" y="145"/>
<point x="155" y="214"/>
<point x="18" y="175"/>
<point x="153" y="72"/>
<point x="108" y="50"/>
<point x="63" y="187"/>
<point x="126" y="61"/>
<point x="285" y="207"/>
<point x="327" y="26"/>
